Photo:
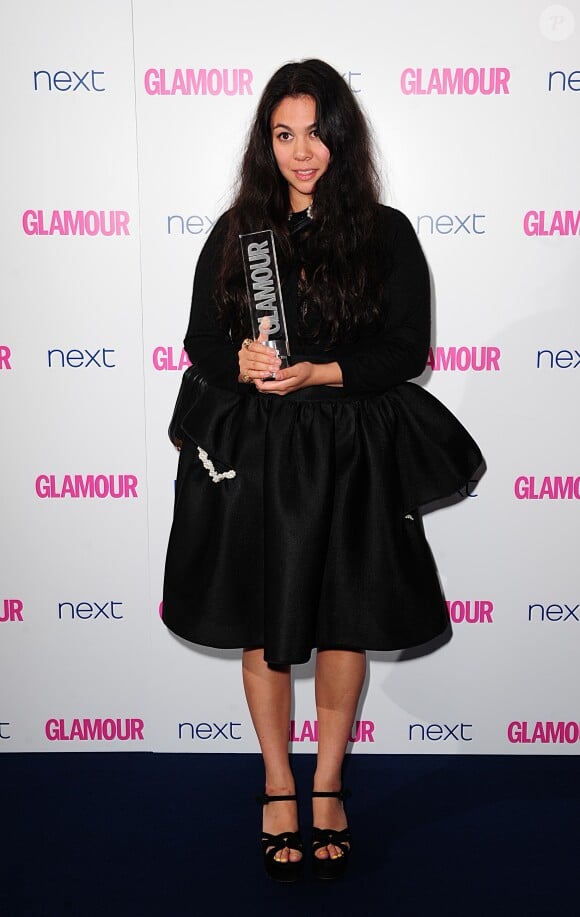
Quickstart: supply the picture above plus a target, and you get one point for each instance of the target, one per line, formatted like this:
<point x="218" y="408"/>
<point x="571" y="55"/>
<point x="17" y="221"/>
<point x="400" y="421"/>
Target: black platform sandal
<point x="328" y="868"/>
<point x="273" y="843"/>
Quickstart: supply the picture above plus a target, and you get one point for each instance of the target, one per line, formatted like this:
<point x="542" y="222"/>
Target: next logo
<point x="437" y="732"/>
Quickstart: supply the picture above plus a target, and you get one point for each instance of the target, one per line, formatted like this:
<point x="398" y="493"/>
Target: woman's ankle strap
<point x="264" y="799"/>
<point x="340" y="794"/>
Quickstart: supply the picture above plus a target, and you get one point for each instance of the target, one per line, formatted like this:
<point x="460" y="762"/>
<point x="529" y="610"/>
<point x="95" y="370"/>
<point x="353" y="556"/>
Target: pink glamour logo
<point x="75" y="222"/>
<point x="547" y="488"/>
<point x="11" y="610"/>
<point x="95" y="730"/>
<point x="545" y="732"/>
<point x="169" y="358"/>
<point x="87" y="486"/>
<point x="479" y="611"/>
<point x="463" y="359"/>
<point x="486" y="81"/>
<point x="307" y="731"/>
<point x="552" y="223"/>
<point x="190" y="82"/>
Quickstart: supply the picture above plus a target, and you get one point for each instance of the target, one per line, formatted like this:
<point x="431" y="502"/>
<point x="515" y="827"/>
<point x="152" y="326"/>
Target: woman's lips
<point x="305" y="174"/>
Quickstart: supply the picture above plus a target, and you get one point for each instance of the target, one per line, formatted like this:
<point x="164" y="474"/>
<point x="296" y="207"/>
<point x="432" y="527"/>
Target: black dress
<point x="296" y="520"/>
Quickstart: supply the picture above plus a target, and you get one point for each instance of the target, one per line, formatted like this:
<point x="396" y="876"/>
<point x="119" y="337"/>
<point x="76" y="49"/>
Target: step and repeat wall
<point x="123" y="125"/>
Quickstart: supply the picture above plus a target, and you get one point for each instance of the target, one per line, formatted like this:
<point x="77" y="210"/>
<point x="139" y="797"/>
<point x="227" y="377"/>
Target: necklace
<point x="300" y="219"/>
<point x="305" y="214"/>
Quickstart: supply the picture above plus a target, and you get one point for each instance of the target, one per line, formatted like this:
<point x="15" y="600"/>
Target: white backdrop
<point x="139" y="111"/>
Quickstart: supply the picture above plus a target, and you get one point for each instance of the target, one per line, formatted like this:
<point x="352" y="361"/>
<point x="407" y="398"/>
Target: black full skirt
<point x="317" y="541"/>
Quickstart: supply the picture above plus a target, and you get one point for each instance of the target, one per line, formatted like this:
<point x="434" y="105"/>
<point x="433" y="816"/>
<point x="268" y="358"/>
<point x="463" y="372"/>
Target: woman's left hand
<point x="301" y="375"/>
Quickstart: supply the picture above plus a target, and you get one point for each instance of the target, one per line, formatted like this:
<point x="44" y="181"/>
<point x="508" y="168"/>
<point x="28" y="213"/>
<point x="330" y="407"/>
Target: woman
<point x="296" y="523"/>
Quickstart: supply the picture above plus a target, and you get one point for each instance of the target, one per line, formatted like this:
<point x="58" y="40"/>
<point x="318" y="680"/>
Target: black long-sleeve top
<point x="376" y="361"/>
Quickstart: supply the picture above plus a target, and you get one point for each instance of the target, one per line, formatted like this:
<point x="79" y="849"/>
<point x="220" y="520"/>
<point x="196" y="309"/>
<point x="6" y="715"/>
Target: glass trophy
<point x="265" y="292"/>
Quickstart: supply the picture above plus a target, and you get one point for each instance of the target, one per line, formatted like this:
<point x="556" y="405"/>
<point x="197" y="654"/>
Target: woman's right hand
<point x="256" y="360"/>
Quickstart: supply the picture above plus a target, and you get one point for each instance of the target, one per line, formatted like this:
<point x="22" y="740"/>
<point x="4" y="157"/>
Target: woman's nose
<point x="302" y="149"/>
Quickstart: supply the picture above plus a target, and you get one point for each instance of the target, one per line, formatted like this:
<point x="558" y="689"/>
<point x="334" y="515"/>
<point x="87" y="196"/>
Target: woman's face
<point x="300" y="153"/>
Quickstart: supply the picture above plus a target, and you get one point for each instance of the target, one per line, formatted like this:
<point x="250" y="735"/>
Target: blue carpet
<point x="176" y="835"/>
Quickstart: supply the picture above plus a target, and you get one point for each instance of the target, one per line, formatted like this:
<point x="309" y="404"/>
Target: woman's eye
<point x="315" y="132"/>
<point x="283" y="135"/>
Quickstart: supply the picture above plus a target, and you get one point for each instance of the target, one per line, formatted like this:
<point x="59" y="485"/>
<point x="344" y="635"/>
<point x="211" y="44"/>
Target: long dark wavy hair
<point x="339" y="251"/>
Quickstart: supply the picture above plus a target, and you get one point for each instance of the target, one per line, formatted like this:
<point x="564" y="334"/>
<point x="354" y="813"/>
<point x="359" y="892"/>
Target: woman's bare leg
<point x="339" y="679"/>
<point x="268" y="696"/>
